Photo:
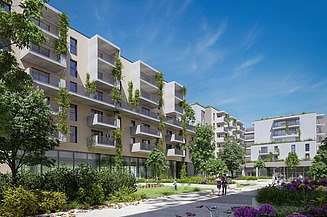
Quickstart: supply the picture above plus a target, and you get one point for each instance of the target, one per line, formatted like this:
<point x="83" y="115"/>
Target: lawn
<point x="167" y="190"/>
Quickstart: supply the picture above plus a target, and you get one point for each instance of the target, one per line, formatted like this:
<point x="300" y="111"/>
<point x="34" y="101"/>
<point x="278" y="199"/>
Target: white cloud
<point x="251" y="37"/>
<point x="246" y="66"/>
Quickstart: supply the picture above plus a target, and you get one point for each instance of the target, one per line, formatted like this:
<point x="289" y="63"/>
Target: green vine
<point x="116" y="72"/>
<point x="136" y="100"/>
<point x="130" y="92"/>
<point x="116" y="95"/>
<point x="61" y="44"/>
<point x="90" y="142"/>
<point x="160" y="84"/>
<point x="64" y="103"/>
<point x="183" y="105"/>
<point x="90" y="86"/>
<point x="119" y="149"/>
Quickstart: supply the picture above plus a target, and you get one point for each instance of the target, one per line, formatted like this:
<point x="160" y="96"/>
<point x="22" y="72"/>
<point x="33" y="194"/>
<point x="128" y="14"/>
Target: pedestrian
<point x="224" y="185"/>
<point x="218" y="183"/>
<point x="300" y="177"/>
<point x="278" y="179"/>
<point x="175" y="184"/>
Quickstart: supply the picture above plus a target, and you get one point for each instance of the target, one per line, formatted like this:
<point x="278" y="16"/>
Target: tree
<point x="189" y="114"/>
<point x="319" y="165"/>
<point x="155" y="161"/>
<point x="216" y="166"/>
<point x="202" y="148"/>
<point x="26" y="124"/>
<point x="233" y="156"/>
<point x="292" y="161"/>
<point x="28" y="129"/>
<point x="260" y="164"/>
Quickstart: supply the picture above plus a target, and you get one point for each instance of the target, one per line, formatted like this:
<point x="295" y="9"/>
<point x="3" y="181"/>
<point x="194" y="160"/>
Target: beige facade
<point x="93" y="116"/>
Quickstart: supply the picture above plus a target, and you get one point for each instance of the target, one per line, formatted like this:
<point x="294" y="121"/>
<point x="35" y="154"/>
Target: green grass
<point x="167" y="190"/>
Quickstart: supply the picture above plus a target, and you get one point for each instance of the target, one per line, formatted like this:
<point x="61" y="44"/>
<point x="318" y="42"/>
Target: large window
<point x="73" y="134"/>
<point x="73" y="68"/>
<point x="73" y="112"/>
<point x="39" y="75"/>
<point x="73" y="46"/>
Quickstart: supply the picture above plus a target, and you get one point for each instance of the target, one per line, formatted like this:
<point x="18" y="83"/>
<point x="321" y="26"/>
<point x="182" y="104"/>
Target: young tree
<point x="155" y="161"/>
<point x="319" y="166"/>
<point x="233" y="156"/>
<point x="28" y="129"/>
<point x="216" y="166"/>
<point x="261" y="165"/>
<point x="292" y="161"/>
<point x="202" y="147"/>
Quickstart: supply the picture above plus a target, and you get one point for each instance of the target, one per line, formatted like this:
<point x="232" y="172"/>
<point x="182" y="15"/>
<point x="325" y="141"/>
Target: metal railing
<point x="106" y="77"/>
<point x="179" y="95"/>
<point x="146" y="146"/>
<point x="106" y="57"/>
<point x="46" y="25"/>
<point x="178" y="109"/>
<point x="148" y="79"/>
<point x="105" y="140"/>
<point x="102" y="119"/>
<point x="44" y="77"/>
<point x="149" y="96"/>
<point x="173" y="121"/>
<point x="104" y="97"/>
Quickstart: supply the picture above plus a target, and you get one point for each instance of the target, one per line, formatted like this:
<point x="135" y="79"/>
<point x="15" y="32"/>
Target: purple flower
<point x="245" y="211"/>
<point x="266" y="209"/>
<point x="296" y="215"/>
<point x="292" y="188"/>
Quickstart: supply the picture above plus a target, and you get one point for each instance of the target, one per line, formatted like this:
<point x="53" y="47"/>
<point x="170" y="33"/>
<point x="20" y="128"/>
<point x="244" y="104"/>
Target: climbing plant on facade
<point x="160" y="84"/>
<point x="64" y="103"/>
<point x="90" y="86"/>
<point x="119" y="146"/>
<point x="61" y="44"/>
<point x="183" y="147"/>
<point x="134" y="100"/>
<point x="117" y="73"/>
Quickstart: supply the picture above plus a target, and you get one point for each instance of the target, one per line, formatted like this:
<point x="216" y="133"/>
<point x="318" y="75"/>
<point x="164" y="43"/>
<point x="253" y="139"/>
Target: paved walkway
<point x="178" y="205"/>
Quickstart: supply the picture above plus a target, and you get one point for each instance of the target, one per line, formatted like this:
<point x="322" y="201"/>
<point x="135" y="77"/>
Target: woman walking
<point x="218" y="182"/>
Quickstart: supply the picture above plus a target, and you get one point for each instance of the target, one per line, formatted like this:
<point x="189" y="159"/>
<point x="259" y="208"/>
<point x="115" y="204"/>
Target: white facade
<point x="301" y="133"/>
<point x="199" y="112"/>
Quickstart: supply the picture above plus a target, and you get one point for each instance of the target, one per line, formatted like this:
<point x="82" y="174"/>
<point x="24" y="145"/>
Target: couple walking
<point x="221" y="183"/>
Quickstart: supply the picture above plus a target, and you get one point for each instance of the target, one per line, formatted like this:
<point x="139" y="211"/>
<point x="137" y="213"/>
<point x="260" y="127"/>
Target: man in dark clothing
<point x="224" y="185"/>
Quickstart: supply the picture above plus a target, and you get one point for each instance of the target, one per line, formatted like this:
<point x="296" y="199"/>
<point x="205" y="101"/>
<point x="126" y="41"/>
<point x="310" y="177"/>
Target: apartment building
<point x="93" y="116"/>
<point x="275" y="137"/>
<point x="225" y="127"/>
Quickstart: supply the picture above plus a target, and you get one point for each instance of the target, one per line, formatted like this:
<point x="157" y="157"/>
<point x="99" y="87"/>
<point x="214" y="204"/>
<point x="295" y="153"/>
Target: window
<point x="292" y="148"/>
<point x="307" y="156"/>
<point x="169" y="132"/>
<point x="73" y="46"/>
<point x="264" y="150"/>
<point x="39" y="75"/>
<point x="73" y="112"/>
<point x="307" y="147"/>
<point x="5" y="7"/>
<point x="73" y="87"/>
<point x="132" y="123"/>
<point x="73" y="68"/>
<point x="99" y="113"/>
<point x="73" y="134"/>
<point x="280" y="132"/>
<point x="99" y="95"/>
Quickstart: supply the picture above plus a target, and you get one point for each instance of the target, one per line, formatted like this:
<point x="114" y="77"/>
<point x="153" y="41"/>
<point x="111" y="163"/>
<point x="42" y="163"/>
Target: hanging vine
<point x="61" y="44"/>
<point x="160" y="84"/>
<point x="64" y="103"/>
<point x="130" y="92"/>
<point x="119" y="146"/>
<point x="117" y="73"/>
<point x="183" y="105"/>
<point x="90" y="86"/>
<point x="136" y="100"/>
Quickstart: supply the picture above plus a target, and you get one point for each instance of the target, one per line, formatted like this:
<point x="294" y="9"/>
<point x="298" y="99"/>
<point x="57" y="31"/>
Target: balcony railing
<point x="106" y="78"/>
<point x="179" y="95"/>
<point x="149" y="96"/>
<point x="173" y="152"/>
<point x="148" y="79"/>
<point x="136" y="147"/>
<point x="144" y="129"/>
<point x="178" y="109"/>
<point x="320" y="121"/>
<point x="80" y="90"/>
<point x="138" y="109"/>
<point x="106" y="57"/>
<point x="283" y="124"/>
<point x="175" y="138"/>
<point x="102" y="119"/>
<point x="173" y="121"/>
<point x="190" y="127"/>
<point x="47" y="26"/>
<point x="105" y="140"/>
<point x="44" y="77"/>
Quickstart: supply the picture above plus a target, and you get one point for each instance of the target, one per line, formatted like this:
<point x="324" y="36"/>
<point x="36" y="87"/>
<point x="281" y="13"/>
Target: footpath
<point x="178" y="205"/>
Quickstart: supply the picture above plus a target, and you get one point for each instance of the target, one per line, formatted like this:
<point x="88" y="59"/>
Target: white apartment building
<point x="275" y="137"/>
<point x="224" y="126"/>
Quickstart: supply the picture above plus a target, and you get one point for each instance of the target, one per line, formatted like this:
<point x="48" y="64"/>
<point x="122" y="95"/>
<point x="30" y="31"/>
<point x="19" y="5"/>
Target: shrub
<point x="5" y="180"/>
<point x="92" y="195"/>
<point x="125" y="194"/>
<point x="19" y="202"/>
<point x="51" y="201"/>
<point x="30" y="180"/>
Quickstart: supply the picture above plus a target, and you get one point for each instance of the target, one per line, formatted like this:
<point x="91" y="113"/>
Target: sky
<point x="252" y="59"/>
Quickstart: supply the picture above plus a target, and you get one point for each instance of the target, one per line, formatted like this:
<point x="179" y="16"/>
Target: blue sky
<point x="253" y="59"/>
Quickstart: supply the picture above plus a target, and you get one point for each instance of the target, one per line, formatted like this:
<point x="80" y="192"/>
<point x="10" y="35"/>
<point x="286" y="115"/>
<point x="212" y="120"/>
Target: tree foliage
<point x="233" y="156"/>
<point x="61" y="44"/>
<point x="292" y="160"/>
<point x="260" y="164"/>
<point x="319" y="165"/>
<point x="155" y="161"/>
<point x="119" y="148"/>
<point x="202" y="147"/>
<point x="216" y="166"/>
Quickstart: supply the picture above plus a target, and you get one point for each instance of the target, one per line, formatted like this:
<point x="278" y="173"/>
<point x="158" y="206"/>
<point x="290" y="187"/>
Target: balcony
<point x="106" y="58"/>
<point x="101" y="121"/>
<point x="221" y="140"/>
<point x="190" y="127"/>
<point x="173" y="152"/>
<point x="282" y="124"/>
<point x="43" y="56"/>
<point x="179" y="95"/>
<point x="61" y="137"/>
<point x="47" y="81"/>
<point x="80" y="93"/>
<point x="105" y="80"/>
<point x="221" y="120"/>
<point x="289" y="135"/>
<point x="138" y="109"/>
<point x="145" y="131"/>
<point x="142" y="147"/>
<point x="178" y="109"/>
<point x="149" y="99"/>
<point x="320" y="122"/>
<point x="174" y="138"/>
<point x="221" y="130"/>
<point x="173" y="121"/>
<point x="104" y="142"/>
<point x="49" y="28"/>
<point x="150" y="80"/>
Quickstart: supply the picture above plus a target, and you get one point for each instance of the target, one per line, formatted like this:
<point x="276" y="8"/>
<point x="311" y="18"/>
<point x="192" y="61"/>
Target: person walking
<point x="175" y="184"/>
<point x="224" y="185"/>
<point x="218" y="183"/>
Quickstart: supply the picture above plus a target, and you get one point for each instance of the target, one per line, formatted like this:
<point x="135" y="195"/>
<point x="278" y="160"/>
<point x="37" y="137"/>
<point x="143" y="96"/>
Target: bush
<point x="5" y="180"/>
<point x="125" y="194"/>
<point x="93" y="195"/>
<point x="51" y="201"/>
<point x="19" y="202"/>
